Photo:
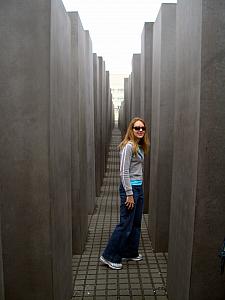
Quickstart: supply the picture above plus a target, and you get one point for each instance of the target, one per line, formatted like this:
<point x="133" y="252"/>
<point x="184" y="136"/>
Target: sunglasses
<point x="138" y="128"/>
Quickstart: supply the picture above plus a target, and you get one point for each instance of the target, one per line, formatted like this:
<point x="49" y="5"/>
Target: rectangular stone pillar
<point x="108" y="133"/>
<point x="129" y="97"/>
<point x="97" y="124"/>
<point x="136" y="85"/>
<point x="197" y="209"/>
<point x="163" y="93"/>
<point x="2" y="293"/>
<point x="110" y="125"/>
<point x="35" y="145"/>
<point x="126" y="106"/>
<point x="146" y="96"/>
<point x="78" y="137"/>
<point x="89" y="120"/>
<point x="104" y="131"/>
<point x="102" y="110"/>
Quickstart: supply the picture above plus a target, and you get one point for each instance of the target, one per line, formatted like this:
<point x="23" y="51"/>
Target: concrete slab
<point x="136" y="85"/>
<point x="162" y="122"/>
<point x="102" y="111"/>
<point x="107" y="115"/>
<point x="198" y="188"/>
<point x="89" y="121"/>
<point x="79" y="160"/>
<point x="97" y="124"/>
<point x="2" y="292"/>
<point x="35" y="147"/>
<point x="146" y="96"/>
<point x="127" y="105"/>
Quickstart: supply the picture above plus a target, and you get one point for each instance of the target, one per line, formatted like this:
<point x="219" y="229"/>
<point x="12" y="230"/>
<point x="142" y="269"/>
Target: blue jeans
<point x="124" y="241"/>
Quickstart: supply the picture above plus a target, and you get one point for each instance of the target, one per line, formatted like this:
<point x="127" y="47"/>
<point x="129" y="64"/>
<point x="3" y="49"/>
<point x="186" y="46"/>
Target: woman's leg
<point x="133" y="240"/>
<point x="117" y="243"/>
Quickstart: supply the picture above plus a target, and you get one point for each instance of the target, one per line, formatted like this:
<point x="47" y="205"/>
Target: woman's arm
<point x="125" y="160"/>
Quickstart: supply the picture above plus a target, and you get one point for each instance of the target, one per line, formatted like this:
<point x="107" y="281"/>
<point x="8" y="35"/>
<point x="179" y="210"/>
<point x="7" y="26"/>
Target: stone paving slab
<point x="137" y="280"/>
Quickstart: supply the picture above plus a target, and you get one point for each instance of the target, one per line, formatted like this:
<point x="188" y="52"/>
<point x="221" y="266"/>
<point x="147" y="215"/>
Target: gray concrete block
<point x="126" y="108"/>
<point x="136" y="85"/>
<point x="97" y="124"/>
<point x="146" y="96"/>
<point x="89" y="120"/>
<point x="197" y="209"/>
<point x="129" y="98"/>
<point x="110" y="121"/>
<point x="104" y="131"/>
<point x="121" y="118"/>
<point x="78" y="138"/>
<point x="102" y="110"/>
<point x="2" y="292"/>
<point x="163" y="93"/>
<point x="35" y="158"/>
<point x="108" y="115"/>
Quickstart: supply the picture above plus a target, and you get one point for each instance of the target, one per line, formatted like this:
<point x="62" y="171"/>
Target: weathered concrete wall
<point x="126" y="117"/>
<point x="108" y="114"/>
<point x="125" y="113"/>
<point x="97" y="123"/>
<point x="136" y="85"/>
<point x="163" y="93"/>
<point x="146" y="96"/>
<point x="2" y="292"/>
<point x="122" y="113"/>
<point x="89" y="121"/>
<point x="79" y="158"/>
<point x="102" y="112"/>
<point x="104" y="130"/>
<point x="197" y="208"/>
<point x="35" y="164"/>
<point x="126" y="101"/>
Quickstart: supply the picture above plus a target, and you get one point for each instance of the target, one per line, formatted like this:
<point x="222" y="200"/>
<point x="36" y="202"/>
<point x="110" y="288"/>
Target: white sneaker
<point x="114" y="266"/>
<point x="137" y="258"/>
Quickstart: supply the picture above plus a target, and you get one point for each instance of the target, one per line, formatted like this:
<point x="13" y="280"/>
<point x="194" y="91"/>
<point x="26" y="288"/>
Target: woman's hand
<point x="129" y="202"/>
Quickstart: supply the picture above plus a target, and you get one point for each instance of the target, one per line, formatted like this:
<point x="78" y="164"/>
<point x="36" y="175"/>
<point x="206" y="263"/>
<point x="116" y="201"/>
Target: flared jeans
<point x="124" y="241"/>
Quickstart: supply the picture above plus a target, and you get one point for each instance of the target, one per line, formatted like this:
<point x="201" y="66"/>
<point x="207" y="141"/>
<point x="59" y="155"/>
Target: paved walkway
<point x="137" y="280"/>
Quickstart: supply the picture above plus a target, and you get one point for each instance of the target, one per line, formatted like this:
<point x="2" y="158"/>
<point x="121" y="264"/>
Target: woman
<point x="124" y="242"/>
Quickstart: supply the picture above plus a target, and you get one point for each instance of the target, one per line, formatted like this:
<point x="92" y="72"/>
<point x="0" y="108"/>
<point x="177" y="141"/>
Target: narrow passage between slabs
<point x="137" y="280"/>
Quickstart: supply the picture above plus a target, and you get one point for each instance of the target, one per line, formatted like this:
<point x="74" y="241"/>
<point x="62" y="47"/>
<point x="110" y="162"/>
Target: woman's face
<point x="139" y="129"/>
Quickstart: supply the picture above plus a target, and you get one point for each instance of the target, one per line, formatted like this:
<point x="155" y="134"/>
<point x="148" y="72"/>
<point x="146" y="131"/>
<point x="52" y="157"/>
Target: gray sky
<point x="115" y="27"/>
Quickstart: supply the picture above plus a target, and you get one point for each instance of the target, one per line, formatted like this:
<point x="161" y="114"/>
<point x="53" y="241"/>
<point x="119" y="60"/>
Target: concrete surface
<point x="136" y="86"/>
<point x="198" y="188"/>
<point x="162" y="122"/>
<point x="146" y="96"/>
<point x="35" y="150"/>
<point x="79" y="192"/>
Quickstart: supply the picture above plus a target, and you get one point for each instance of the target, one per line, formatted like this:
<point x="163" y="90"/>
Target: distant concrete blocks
<point x="163" y="93"/>
<point x="197" y="210"/>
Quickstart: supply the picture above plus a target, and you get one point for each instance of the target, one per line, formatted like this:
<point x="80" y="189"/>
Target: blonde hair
<point x="130" y="137"/>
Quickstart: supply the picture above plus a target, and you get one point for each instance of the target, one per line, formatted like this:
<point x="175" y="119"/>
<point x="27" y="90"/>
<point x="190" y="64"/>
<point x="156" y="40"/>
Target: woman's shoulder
<point x="128" y="146"/>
